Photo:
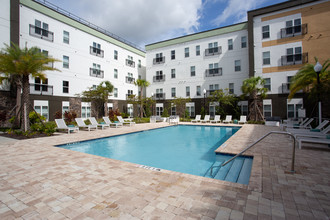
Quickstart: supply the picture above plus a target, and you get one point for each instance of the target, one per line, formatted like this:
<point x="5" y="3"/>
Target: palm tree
<point x="142" y="84"/>
<point x="21" y="63"/>
<point x="306" y="79"/>
<point x="101" y="93"/>
<point x="254" y="88"/>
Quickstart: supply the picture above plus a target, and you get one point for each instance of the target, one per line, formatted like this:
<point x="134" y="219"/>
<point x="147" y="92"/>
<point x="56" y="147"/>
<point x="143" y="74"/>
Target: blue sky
<point x="147" y="21"/>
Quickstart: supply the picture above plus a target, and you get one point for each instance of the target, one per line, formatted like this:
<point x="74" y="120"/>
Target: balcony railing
<point x="41" y="33"/>
<point x="286" y="88"/>
<point x="294" y="31"/>
<point x="96" y="51"/>
<point x="96" y="73"/>
<point x="159" y="96"/>
<point x="41" y="89"/>
<point x="159" y="60"/>
<point x="294" y="59"/>
<point x="213" y="72"/>
<point x="159" y="78"/>
<point x="130" y="63"/>
<point x="130" y="79"/>
<point x="213" y="51"/>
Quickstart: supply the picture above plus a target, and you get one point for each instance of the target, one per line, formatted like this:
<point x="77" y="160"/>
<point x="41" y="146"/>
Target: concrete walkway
<point x="40" y="181"/>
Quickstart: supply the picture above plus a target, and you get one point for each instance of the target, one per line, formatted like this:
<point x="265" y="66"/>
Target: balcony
<point x="213" y="51"/>
<point x="286" y="88"/>
<point x="159" y="78"/>
<point x="159" y="60"/>
<point x="96" y="51"/>
<point x="294" y="31"/>
<point x="41" y="33"/>
<point x="96" y="73"/>
<point x="210" y="92"/>
<point x="41" y="89"/>
<point x="159" y="96"/>
<point x="213" y="72"/>
<point x="129" y="96"/>
<point x="294" y="59"/>
<point x="130" y="80"/>
<point x="130" y="63"/>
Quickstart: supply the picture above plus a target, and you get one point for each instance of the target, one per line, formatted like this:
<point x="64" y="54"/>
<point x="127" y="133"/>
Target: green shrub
<point x="69" y="117"/>
<point x="125" y="115"/>
<point x="165" y="113"/>
<point x="185" y="119"/>
<point x="113" y="114"/>
<point x="141" y="120"/>
<point x="36" y="117"/>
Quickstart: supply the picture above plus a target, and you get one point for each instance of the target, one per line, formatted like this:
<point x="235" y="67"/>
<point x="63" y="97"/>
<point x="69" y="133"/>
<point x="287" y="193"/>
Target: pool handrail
<point x="269" y="133"/>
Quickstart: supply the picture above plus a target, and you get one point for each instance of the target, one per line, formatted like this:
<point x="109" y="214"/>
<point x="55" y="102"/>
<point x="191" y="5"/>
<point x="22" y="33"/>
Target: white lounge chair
<point x="174" y="119"/>
<point x="291" y="123"/>
<point x="216" y="119"/>
<point x="312" y="140"/>
<point x="121" y="120"/>
<point x="81" y="124"/>
<point x="62" y="126"/>
<point x="242" y="119"/>
<point x="206" y="119"/>
<point x="228" y="119"/>
<point x="94" y="122"/>
<point x="197" y="118"/>
<point x="108" y="122"/>
<point x="308" y="133"/>
<point x="302" y="126"/>
<point x="318" y="128"/>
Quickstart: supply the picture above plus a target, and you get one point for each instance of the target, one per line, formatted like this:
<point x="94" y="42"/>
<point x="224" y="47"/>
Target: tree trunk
<point x="141" y="105"/>
<point x="26" y="100"/>
<point x="106" y="109"/>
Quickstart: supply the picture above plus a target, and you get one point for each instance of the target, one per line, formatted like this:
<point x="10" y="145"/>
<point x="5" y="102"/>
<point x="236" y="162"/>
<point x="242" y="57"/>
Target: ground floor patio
<point x="40" y="181"/>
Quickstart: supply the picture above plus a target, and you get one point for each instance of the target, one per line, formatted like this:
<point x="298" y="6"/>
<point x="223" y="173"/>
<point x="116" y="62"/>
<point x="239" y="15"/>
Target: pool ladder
<point x="257" y="141"/>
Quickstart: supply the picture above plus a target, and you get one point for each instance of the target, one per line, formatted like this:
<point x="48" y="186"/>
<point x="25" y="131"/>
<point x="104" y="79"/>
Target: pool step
<point x="237" y="171"/>
<point x="215" y="166"/>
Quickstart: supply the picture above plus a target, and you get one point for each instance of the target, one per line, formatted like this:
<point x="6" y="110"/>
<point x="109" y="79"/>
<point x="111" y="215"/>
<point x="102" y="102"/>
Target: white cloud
<point x="143" y="21"/>
<point x="236" y="10"/>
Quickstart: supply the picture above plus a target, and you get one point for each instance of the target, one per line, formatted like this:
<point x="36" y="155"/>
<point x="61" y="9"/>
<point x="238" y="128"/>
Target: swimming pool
<point x="183" y="148"/>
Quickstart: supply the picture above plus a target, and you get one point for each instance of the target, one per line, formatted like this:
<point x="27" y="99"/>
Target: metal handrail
<point x="272" y="132"/>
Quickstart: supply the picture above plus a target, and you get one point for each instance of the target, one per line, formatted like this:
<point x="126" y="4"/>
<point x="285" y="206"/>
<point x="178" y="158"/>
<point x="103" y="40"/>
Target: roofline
<point x="189" y="35"/>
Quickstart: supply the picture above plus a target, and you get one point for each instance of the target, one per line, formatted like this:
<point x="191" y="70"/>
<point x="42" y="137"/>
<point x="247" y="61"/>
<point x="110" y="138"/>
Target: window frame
<point x="65" y="87"/>
<point x="237" y="67"/>
<point x="265" y="59"/>
<point x="230" y="44"/>
<point x="265" y="33"/>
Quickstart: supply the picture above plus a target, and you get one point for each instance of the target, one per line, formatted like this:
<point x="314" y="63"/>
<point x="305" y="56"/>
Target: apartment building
<point x="282" y="38"/>
<point x="88" y="55"/>
<point x="188" y="66"/>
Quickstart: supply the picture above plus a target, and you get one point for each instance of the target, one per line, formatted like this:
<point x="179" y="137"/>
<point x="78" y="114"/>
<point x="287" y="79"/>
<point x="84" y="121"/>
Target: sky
<point x="144" y="22"/>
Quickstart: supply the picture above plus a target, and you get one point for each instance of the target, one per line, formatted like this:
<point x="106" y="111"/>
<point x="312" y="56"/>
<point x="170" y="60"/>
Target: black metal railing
<point x="294" y="59"/>
<point x="41" y="33"/>
<point x="130" y="79"/>
<point x="159" y="96"/>
<point x="96" y="73"/>
<point x="286" y="88"/>
<point x="159" y="78"/>
<point x="294" y="31"/>
<point x="159" y="60"/>
<point x="213" y="72"/>
<point x="213" y="51"/>
<point x="96" y="51"/>
<point x="130" y="63"/>
<point x="41" y="89"/>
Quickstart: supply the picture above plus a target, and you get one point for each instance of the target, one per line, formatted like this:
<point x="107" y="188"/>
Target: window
<point x="243" y="42"/>
<point x="192" y="71"/>
<point x="231" y="88"/>
<point x="139" y="63"/>
<point x="265" y="32"/>
<point x="294" y="55"/>
<point x="213" y="49"/>
<point x="96" y="69"/>
<point x="159" y="58"/>
<point x="172" y="54"/>
<point x="115" y="92"/>
<point x="198" y="90"/>
<point x="237" y="65"/>
<point x="267" y="110"/>
<point x="187" y="91"/>
<point x="212" y="109"/>
<point x="244" y="107"/>
<point x="173" y="73"/>
<point x="190" y="107"/>
<point x="198" y="50"/>
<point x="40" y="30"/>
<point x="292" y="27"/>
<point x="214" y="87"/>
<point x="129" y="93"/>
<point x="173" y="110"/>
<point x="230" y="44"/>
<point x="115" y="73"/>
<point x="85" y="109"/>
<point x="293" y="106"/>
<point x="66" y="37"/>
<point x="41" y="85"/>
<point x="266" y="58"/>
<point x="66" y="62"/>
<point x="130" y="110"/>
<point x="159" y="109"/>
<point x="41" y="107"/>
<point x="65" y="86"/>
<point x="96" y="49"/>
<point x="115" y="54"/>
<point x="186" y="52"/>
<point x="268" y="84"/>
<point x="65" y="107"/>
<point x="173" y="94"/>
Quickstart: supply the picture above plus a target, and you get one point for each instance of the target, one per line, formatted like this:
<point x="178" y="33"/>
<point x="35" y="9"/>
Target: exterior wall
<point x="5" y="23"/>
<point x="182" y="64"/>
<point x="78" y="50"/>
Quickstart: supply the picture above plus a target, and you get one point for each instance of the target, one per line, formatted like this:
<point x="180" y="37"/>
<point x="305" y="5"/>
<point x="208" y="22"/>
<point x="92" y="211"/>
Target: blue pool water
<point x="182" y="148"/>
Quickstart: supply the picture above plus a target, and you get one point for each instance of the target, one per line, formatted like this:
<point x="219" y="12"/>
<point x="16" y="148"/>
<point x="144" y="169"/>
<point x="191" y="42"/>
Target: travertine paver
<point x="40" y="181"/>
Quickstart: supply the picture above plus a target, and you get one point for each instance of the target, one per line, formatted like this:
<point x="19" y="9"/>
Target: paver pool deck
<point x="40" y="181"/>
